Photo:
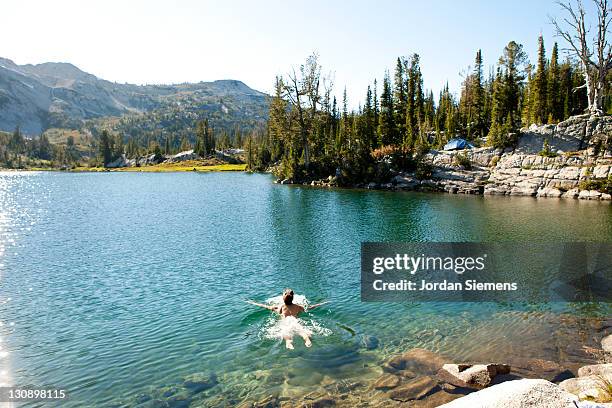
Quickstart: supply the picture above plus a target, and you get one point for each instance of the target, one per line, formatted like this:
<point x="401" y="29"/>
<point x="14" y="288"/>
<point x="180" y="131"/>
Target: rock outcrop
<point x="121" y="161"/>
<point x="580" y="153"/>
<point x="594" y="383"/>
<point x="592" y="388"/>
<point x="517" y="394"/>
<point x="183" y="156"/>
<point x="606" y="344"/>
<point x="576" y="133"/>
<point x="534" y="175"/>
<point x="472" y="375"/>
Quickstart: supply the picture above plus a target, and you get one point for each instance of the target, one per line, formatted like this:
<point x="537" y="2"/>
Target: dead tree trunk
<point x="595" y="62"/>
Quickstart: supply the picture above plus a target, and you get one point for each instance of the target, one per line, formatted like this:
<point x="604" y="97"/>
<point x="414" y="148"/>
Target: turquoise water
<point x="115" y="286"/>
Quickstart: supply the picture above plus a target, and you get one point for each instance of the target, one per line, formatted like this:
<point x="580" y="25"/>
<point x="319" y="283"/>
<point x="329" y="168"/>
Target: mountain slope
<point x="42" y="96"/>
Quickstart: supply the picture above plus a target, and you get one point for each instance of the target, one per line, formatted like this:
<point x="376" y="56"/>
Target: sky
<point x="153" y="41"/>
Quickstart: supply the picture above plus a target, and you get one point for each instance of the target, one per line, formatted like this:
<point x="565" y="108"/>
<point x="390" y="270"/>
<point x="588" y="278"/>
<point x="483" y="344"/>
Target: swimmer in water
<point x="289" y="312"/>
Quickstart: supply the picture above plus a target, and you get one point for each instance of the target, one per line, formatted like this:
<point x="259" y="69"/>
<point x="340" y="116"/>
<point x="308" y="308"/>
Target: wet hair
<point x="288" y="296"/>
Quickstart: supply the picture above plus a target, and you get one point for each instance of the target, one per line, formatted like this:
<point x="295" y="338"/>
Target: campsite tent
<point x="458" y="144"/>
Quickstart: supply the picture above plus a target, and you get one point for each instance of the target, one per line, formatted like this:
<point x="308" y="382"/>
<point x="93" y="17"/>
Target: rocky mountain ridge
<point x="60" y="95"/>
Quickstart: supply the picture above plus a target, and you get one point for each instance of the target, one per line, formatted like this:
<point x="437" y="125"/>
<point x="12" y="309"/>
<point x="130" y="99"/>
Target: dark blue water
<point x="115" y="286"/>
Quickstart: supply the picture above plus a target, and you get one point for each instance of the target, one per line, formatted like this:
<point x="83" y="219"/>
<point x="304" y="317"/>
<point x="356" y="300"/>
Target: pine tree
<point x="168" y="146"/>
<point x="429" y="111"/>
<point x="566" y="89"/>
<point x="512" y="61"/>
<point x="238" y="139"/>
<point x="539" y="99"/>
<point x="400" y="98"/>
<point x="506" y="98"/>
<point x="105" y="148"/>
<point x="199" y="148"/>
<point x="414" y="103"/>
<point x="527" y="103"/>
<point x="498" y="104"/>
<point x="185" y="144"/>
<point x="376" y="110"/>
<point x="345" y="125"/>
<point x="386" y="124"/>
<point x="478" y="99"/>
<point x="554" y="101"/>
<point x="17" y="142"/>
<point x="369" y="125"/>
<point x="44" y="148"/>
<point x="118" y="147"/>
<point x="278" y="122"/>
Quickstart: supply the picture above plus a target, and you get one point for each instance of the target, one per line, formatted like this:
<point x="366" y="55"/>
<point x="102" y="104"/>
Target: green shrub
<point x="462" y="159"/>
<point x="601" y="185"/>
<point x="546" y="151"/>
<point x="494" y="161"/>
<point x="423" y="170"/>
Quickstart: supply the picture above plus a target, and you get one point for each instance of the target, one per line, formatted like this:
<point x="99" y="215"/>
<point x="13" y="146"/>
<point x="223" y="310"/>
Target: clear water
<point x="117" y="285"/>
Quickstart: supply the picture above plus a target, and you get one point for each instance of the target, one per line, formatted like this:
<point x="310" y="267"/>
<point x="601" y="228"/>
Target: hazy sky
<point x="254" y="40"/>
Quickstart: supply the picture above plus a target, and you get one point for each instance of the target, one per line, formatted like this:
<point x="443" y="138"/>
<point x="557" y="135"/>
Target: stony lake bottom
<point x="117" y="286"/>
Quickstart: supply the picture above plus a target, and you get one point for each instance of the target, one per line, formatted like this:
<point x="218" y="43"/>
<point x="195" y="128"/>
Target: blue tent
<point x="458" y="144"/>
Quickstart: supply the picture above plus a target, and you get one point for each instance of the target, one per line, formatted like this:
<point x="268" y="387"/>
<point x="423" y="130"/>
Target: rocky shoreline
<point x="581" y="377"/>
<point x="579" y="158"/>
<point x="422" y="378"/>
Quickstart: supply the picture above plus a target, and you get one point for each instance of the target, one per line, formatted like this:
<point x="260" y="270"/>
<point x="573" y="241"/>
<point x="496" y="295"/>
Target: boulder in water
<point x="418" y="360"/>
<point x="472" y="376"/>
<point x="517" y="394"/>
<point x="386" y="381"/>
<point x="416" y="389"/>
<point x="538" y="368"/>
<point x="369" y="342"/>
<point x="198" y="382"/>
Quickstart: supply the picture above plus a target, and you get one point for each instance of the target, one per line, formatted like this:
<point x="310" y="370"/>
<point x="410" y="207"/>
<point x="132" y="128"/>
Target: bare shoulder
<point x="300" y="308"/>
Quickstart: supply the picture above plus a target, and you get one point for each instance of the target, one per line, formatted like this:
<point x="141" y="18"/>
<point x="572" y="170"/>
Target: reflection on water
<point x="121" y="284"/>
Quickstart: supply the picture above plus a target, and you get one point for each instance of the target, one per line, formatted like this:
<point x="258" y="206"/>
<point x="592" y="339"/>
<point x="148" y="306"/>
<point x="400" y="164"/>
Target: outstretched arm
<point x="317" y="305"/>
<point x="273" y="308"/>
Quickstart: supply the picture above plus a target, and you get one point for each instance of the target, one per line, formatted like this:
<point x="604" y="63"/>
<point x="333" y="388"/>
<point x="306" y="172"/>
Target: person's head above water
<point x="288" y="296"/>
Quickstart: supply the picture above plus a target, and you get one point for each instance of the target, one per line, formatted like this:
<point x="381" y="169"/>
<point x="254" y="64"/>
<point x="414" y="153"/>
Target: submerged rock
<point x="418" y="360"/>
<point x="181" y="400"/>
<point x="517" y="394"/>
<point x="271" y="401"/>
<point x="320" y="403"/>
<point x="386" y="381"/>
<point x="538" y="368"/>
<point x="369" y="342"/>
<point x="198" y="382"/>
<point x="415" y="389"/>
<point x="472" y="376"/>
